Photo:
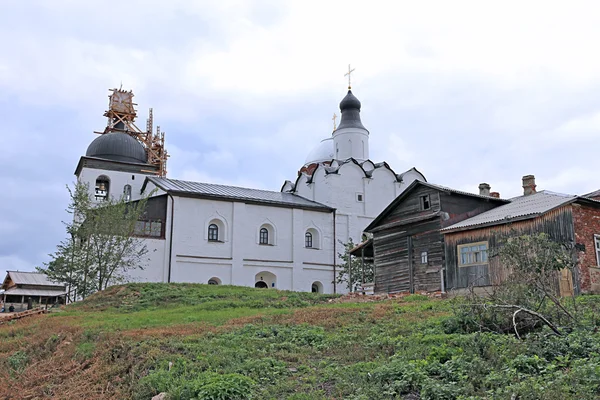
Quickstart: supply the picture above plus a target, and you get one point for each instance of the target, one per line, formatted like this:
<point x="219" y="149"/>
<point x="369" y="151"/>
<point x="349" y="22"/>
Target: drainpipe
<point x="171" y="237"/>
<point x="442" y="279"/>
<point x="334" y="255"/>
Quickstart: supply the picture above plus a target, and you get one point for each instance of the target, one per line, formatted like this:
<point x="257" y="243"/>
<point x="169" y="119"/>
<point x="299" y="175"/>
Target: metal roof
<point x="447" y="189"/>
<point x="523" y="207"/>
<point x="35" y="292"/>
<point x="595" y="193"/>
<point x="30" y="278"/>
<point x="210" y="190"/>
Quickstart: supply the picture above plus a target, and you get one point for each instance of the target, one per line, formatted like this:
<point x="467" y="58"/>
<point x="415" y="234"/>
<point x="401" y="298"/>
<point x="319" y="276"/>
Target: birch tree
<point x="101" y="244"/>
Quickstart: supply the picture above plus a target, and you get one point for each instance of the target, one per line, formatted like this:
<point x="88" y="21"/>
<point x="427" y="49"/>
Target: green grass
<point x="266" y="344"/>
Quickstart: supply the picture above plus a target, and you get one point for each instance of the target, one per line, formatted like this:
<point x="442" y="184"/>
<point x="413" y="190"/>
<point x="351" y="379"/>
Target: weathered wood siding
<point x="457" y="208"/>
<point x="408" y="231"/>
<point x="399" y="240"/>
<point x="558" y="224"/>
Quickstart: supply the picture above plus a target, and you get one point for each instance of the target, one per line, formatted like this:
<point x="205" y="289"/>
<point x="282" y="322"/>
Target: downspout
<point x="171" y="237"/>
<point x="334" y="256"/>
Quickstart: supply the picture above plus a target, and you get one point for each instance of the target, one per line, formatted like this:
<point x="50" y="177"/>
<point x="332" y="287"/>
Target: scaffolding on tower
<point x="121" y="116"/>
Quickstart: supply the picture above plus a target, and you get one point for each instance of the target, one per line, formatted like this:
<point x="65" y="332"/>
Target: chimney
<point x="484" y="189"/>
<point x="528" y="185"/>
<point x="495" y="194"/>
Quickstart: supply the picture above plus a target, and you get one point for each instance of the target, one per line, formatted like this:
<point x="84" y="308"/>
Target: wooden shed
<point x="408" y="247"/>
<point x="20" y="286"/>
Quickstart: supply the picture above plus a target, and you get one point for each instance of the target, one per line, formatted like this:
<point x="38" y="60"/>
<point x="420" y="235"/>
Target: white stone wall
<point x="351" y="143"/>
<point x="238" y="258"/>
<point x="117" y="183"/>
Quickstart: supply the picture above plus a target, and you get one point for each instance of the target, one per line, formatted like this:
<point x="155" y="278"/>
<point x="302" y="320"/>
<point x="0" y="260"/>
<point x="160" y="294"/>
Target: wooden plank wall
<point x="558" y="224"/>
<point x="391" y="245"/>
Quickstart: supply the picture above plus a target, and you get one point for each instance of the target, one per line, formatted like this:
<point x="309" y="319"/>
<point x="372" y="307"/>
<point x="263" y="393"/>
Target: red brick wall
<point x="587" y="224"/>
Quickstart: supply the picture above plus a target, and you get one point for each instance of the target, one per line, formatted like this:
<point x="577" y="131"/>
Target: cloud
<point x="466" y="91"/>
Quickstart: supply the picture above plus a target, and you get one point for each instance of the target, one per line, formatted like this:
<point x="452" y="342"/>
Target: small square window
<point x="424" y="257"/>
<point x="359" y="197"/>
<point x="425" y="203"/>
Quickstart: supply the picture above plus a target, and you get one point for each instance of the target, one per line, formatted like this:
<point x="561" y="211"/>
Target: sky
<point x="465" y="91"/>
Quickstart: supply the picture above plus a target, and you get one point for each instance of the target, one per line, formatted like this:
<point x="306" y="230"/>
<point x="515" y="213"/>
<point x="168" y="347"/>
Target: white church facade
<point x="288" y="239"/>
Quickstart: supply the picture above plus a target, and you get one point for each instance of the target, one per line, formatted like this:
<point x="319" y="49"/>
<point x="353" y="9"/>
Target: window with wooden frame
<point x="472" y="254"/>
<point x="423" y="257"/>
<point x="263" y="236"/>
<point x="148" y="229"/>
<point x="597" y="246"/>
<point x="213" y="233"/>
<point x="425" y="202"/>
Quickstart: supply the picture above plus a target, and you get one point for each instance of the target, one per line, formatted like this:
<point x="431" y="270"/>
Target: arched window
<point x="127" y="192"/>
<point x="264" y="236"/>
<point x="214" y="281"/>
<point x="102" y="186"/>
<point x="308" y="240"/>
<point x="213" y="233"/>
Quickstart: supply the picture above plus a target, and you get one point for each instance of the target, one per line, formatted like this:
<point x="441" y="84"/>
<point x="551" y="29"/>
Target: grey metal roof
<point x="35" y="292"/>
<point x="595" y="193"/>
<point x="210" y="190"/>
<point x="523" y="207"/>
<point x="117" y="146"/>
<point x="31" y="278"/>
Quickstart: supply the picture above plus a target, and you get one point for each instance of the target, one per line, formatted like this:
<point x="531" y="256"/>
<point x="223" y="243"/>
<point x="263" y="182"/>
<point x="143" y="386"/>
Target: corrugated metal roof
<point x="519" y="208"/>
<point x="595" y="193"/>
<point x="35" y="292"/>
<point x="235" y="193"/>
<point x="31" y="278"/>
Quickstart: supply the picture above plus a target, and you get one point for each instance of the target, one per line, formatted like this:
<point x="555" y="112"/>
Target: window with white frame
<point x="423" y="257"/>
<point x="472" y="254"/>
<point x="597" y="246"/>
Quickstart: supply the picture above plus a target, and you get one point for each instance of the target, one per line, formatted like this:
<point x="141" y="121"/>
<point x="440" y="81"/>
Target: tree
<point x="529" y="296"/>
<point x="101" y="244"/>
<point x="350" y="270"/>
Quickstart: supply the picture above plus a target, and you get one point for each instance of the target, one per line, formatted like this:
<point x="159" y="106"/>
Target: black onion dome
<point x="350" y="101"/>
<point x="350" y="107"/>
<point x="117" y="146"/>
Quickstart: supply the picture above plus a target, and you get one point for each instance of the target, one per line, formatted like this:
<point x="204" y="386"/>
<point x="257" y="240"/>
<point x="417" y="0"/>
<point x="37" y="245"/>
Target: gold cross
<point x="334" y="118"/>
<point x="350" y="71"/>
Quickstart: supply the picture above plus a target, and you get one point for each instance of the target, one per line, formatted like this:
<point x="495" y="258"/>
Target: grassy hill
<point x="223" y="342"/>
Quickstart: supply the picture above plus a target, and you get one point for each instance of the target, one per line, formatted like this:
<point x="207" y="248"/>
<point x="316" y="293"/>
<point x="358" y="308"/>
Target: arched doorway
<point x="261" y="285"/>
<point x="265" y="280"/>
<point x="316" y="287"/>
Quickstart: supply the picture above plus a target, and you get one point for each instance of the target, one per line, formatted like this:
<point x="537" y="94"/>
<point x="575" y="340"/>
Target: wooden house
<point x="20" y="286"/>
<point x="572" y="220"/>
<point x="408" y="248"/>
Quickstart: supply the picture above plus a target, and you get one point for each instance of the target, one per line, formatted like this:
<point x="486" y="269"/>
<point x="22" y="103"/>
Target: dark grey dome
<point x="350" y="101"/>
<point x="350" y="107"/>
<point x="117" y="146"/>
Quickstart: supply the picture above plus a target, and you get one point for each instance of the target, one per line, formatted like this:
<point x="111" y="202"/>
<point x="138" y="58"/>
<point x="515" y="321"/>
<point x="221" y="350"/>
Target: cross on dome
<point x="348" y="74"/>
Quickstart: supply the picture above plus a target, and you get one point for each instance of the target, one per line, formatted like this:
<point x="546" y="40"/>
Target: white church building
<point x="216" y="234"/>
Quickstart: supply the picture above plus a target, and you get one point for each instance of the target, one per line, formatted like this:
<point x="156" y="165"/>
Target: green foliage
<point x="100" y="246"/>
<point x="350" y="270"/>
<point x="17" y="361"/>
<point x="398" y="349"/>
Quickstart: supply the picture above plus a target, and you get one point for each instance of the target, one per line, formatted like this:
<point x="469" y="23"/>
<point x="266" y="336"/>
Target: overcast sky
<point x="465" y="91"/>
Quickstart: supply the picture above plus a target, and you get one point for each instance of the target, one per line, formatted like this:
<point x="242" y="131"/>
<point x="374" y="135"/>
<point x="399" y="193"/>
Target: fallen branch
<point x="519" y="309"/>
